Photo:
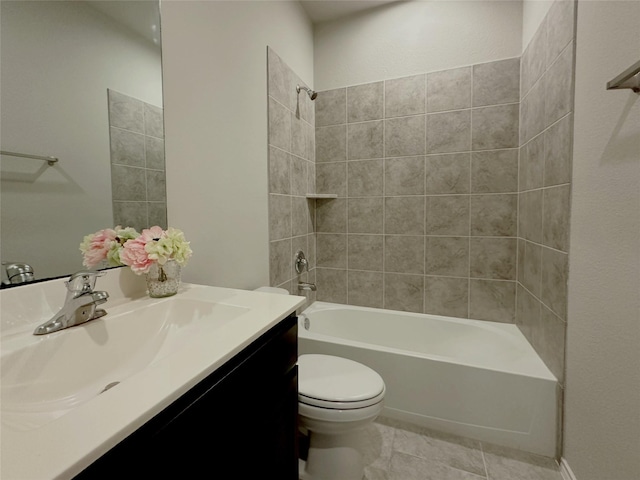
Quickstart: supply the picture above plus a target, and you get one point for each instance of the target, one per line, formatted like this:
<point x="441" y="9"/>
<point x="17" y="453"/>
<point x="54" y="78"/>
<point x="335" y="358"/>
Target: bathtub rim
<point x="500" y="327"/>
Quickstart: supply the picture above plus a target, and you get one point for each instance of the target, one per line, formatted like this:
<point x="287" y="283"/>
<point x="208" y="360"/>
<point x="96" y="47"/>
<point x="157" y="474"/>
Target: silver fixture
<point x="80" y="303"/>
<point x="302" y="265"/>
<point x="18" y="273"/>
<point x="311" y="93"/>
<point x="307" y="286"/>
<point x="307" y="322"/>
<point x="630" y="78"/>
<point x="50" y="160"/>
<point x="300" y="262"/>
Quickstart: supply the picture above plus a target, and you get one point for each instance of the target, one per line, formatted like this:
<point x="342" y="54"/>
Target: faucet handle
<point x="300" y="262"/>
<point x="83" y="281"/>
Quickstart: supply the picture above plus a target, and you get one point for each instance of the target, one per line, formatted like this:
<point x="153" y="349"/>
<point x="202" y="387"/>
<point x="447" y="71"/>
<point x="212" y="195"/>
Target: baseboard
<point x="565" y="470"/>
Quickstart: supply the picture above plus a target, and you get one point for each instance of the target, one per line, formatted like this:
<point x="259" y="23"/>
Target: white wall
<point x="533" y="13"/>
<point x="215" y="91"/>
<point x="602" y="403"/>
<point x="58" y="59"/>
<point x="407" y="38"/>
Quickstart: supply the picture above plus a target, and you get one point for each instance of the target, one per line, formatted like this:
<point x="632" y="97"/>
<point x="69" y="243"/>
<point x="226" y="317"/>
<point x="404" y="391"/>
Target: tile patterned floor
<point x="399" y="451"/>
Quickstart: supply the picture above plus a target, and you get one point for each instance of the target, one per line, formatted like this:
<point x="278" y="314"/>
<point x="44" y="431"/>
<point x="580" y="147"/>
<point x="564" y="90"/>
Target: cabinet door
<point x="235" y="429"/>
<point x="246" y="423"/>
<point x="242" y="419"/>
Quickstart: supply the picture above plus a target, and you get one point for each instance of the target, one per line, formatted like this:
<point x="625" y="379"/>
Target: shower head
<point x="311" y="93"/>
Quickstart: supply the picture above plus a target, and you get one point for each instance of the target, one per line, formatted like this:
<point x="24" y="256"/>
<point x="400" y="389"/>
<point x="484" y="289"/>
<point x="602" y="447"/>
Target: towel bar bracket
<point x="630" y="78"/>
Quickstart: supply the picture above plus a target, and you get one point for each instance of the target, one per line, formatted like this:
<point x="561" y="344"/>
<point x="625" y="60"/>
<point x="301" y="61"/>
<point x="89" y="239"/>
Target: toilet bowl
<point x="337" y="398"/>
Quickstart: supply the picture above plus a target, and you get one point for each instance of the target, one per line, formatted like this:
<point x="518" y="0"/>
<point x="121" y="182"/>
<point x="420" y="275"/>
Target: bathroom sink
<point x="45" y="377"/>
<point x="69" y="397"/>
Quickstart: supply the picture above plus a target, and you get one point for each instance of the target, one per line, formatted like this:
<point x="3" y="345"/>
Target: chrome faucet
<point x="307" y="286"/>
<point x="301" y="265"/>
<point x="17" y="273"/>
<point x="80" y="303"/>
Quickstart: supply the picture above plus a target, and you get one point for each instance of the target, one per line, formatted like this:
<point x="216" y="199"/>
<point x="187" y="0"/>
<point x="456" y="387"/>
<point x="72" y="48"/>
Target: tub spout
<point x="307" y="286"/>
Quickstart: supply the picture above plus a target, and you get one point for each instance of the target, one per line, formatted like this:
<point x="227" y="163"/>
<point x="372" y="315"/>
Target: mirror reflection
<point x="80" y="81"/>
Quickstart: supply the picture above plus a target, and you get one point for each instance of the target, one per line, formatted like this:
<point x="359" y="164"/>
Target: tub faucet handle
<point x="300" y="262"/>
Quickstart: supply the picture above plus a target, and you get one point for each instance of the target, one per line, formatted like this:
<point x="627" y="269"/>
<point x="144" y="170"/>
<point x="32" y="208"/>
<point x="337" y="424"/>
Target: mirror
<point x="80" y="81"/>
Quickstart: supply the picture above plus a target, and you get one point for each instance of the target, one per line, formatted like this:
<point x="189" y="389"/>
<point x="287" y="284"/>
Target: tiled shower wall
<point x="426" y="172"/>
<point x="291" y="176"/>
<point x="453" y="189"/>
<point x="546" y="133"/>
<point x="138" y="179"/>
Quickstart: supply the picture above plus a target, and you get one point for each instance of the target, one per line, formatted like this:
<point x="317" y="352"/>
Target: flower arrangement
<point x="125" y="246"/>
<point x="106" y="245"/>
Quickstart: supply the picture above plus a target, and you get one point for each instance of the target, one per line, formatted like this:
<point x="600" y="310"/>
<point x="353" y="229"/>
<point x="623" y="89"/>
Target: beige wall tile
<point x="331" y="107"/>
<point x="404" y="292"/>
<point x="447" y="215"/>
<point x="404" y="253"/>
<point x="365" y="178"/>
<point x="446" y="296"/>
<point x="555" y="217"/>
<point x="331" y="143"/>
<point x="332" y="178"/>
<point x="493" y="300"/>
<point x="447" y="174"/>
<point x="495" y="127"/>
<point x="494" y="215"/>
<point x="331" y="285"/>
<point x="331" y="250"/>
<point x="449" y="90"/>
<point x="365" y="102"/>
<point x="493" y="258"/>
<point x="496" y="82"/>
<point x="365" y="288"/>
<point x="404" y="215"/>
<point x="366" y="215"/>
<point x="365" y="140"/>
<point x="405" y="96"/>
<point x="494" y="171"/>
<point x="447" y="256"/>
<point x="404" y="176"/>
<point x="365" y="252"/>
<point x="449" y="132"/>
<point x="404" y="136"/>
<point x="331" y="216"/>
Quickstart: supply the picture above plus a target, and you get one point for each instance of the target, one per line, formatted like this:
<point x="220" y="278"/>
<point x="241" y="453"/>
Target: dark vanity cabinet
<point x="238" y="423"/>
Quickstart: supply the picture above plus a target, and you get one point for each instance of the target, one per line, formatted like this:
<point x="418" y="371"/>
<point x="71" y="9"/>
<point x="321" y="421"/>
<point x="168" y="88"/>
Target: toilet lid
<point x="325" y="380"/>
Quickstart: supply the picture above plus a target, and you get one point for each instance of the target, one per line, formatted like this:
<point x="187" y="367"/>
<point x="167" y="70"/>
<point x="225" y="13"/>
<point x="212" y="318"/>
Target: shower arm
<point x="312" y="94"/>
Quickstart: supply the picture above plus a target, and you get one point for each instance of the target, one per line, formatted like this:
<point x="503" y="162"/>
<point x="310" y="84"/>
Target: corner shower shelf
<point x="322" y="195"/>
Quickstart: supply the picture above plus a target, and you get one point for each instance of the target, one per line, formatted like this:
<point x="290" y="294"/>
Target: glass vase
<point x="164" y="280"/>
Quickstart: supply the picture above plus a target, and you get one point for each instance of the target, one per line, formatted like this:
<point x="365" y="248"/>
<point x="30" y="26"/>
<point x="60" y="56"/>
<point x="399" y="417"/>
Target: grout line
<point x="346" y="153"/>
<point x="384" y="189"/>
<point x="425" y="201"/>
<point x="484" y="461"/>
<point x="469" y="205"/>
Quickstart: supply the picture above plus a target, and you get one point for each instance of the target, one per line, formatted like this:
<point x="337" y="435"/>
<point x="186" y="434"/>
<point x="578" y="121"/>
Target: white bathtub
<point x="473" y="378"/>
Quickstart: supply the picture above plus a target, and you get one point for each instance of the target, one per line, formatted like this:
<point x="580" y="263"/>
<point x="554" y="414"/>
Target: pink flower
<point x="134" y="253"/>
<point x="96" y="246"/>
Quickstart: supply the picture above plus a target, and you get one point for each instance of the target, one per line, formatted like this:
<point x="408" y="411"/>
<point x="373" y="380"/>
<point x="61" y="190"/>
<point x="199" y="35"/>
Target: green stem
<point x="162" y="276"/>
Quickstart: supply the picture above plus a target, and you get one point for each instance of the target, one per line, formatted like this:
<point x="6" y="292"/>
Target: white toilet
<point x="337" y="398"/>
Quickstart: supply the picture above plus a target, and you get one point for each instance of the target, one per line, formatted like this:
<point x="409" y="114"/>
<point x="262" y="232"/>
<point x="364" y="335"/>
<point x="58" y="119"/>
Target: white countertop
<point x="62" y="448"/>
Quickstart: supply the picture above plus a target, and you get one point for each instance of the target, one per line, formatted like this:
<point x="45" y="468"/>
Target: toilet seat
<point x="330" y="382"/>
